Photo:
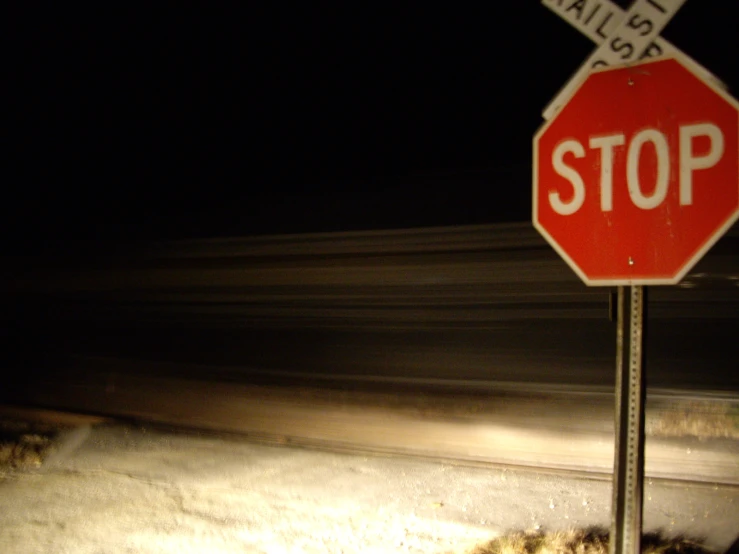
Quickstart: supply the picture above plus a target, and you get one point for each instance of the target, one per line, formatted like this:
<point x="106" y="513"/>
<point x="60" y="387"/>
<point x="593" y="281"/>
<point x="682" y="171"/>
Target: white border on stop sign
<point x="705" y="247"/>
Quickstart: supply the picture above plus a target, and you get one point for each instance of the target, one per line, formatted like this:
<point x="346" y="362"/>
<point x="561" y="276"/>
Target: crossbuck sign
<point x="622" y="37"/>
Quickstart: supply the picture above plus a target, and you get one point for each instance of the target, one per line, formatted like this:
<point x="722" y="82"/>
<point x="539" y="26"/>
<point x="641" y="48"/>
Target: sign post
<point x="628" y="468"/>
<point x="636" y="176"/>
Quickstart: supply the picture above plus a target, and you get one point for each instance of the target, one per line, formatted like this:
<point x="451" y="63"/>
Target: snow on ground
<point x="115" y="488"/>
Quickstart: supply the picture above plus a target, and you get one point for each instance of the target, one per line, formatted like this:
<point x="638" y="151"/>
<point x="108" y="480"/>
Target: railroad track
<point x="546" y="429"/>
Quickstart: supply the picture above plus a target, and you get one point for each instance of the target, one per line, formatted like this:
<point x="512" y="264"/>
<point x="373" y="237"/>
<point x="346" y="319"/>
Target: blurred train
<point x="470" y="304"/>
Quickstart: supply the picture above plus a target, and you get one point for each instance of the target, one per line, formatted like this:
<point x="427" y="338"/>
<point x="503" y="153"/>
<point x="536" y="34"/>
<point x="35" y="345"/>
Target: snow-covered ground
<point x="112" y="488"/>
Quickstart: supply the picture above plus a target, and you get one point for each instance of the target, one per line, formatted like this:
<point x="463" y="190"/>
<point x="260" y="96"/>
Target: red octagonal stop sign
<point x="638" y="174"/>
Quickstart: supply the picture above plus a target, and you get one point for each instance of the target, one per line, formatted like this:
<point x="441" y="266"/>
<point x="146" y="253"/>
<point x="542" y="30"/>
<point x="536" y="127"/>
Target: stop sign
<point x="638" y="174"/>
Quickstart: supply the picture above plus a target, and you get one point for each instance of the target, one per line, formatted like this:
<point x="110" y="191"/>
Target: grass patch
<point x="703" y="420"/>
<point x="23" y="444"/>
<point x="584" y="541"/>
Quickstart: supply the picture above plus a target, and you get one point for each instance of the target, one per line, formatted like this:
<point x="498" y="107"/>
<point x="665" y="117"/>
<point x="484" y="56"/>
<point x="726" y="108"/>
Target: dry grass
<point x="583" y="541"/>
<point x="23" y="445"/>
<point x="704" y="420"/>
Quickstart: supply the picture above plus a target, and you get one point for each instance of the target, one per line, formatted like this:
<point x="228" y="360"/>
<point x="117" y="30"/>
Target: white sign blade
<point x="622" y="39"/>
<point x="597" y="22"/>
<point x="641" y="24"/>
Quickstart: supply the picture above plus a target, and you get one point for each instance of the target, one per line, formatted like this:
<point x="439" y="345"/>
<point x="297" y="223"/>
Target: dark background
<point x="173" y="122"/>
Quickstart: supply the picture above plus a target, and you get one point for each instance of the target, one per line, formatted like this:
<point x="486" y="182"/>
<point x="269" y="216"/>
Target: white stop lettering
<point x="688" y="163"/>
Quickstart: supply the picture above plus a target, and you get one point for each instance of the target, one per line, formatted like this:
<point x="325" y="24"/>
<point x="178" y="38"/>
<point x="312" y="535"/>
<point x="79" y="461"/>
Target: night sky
<point x="200" y="122"/>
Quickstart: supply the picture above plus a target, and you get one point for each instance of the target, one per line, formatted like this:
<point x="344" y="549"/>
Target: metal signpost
<point x="636" y="176"/>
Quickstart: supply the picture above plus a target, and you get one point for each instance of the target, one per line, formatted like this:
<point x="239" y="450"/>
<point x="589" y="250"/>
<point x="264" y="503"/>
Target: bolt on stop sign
<point x="637" y="176"/>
